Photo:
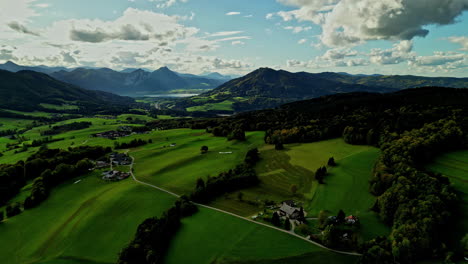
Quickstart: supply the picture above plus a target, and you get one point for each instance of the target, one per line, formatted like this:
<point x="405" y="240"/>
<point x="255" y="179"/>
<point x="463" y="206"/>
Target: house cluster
<point x="113" y="134"/>
<point x="120" y="159"/>
<point x="290" y="210"/>
<point x="350" y="220"/>
<point x="115" y="175"/>
<point x="102" y="164"/>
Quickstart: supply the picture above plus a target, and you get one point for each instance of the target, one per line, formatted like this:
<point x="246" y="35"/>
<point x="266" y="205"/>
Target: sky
<point x="418" y="37"/>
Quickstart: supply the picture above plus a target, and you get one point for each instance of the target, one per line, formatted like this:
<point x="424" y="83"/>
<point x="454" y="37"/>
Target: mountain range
<point x="268" y="88"/>
<point x="130" y="81"/>
<point x="28" y="90"/>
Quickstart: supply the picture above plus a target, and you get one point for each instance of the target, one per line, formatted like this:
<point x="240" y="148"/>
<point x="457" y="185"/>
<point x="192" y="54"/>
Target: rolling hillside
<point x="27" y="90"/>
<point x="268" y="88"/>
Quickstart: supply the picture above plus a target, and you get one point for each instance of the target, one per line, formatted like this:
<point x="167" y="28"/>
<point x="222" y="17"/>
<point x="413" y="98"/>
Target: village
<point x="115" y="159"/>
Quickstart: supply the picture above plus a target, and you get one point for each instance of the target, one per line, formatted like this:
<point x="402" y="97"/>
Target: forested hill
<point x="26" y="90"/>
<point x="267" y="88"/>
<point x="395" y="81"/>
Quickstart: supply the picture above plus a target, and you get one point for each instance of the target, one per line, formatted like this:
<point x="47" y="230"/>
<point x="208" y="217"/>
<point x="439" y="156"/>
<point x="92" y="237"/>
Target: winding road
<point x="238" y="216"/>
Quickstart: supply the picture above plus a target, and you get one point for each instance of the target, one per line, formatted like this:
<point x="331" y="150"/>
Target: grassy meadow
<point x="346" y="185"/>
<point x="90" y="222"/>
<point x="177" y="168"/>
<point x="455" y="166"/>
<point x="221" y="238"/>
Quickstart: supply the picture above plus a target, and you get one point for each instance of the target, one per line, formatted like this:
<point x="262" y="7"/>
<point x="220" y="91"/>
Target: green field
<point x="346" y="186"/>
<point x="89" y="221"/>
<point x="221" y="106"/>
<point x="60" y="107"/>
<point x="455" y="166"/>
<point x="212" y="237"/>
<point x="177" y="168"/>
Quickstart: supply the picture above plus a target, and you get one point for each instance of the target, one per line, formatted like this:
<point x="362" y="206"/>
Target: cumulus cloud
<point x="225" y="33"/>
<point x="338" y="54"/>
<point x="233" y="13"/>
<point x="302" y="41"/>
<point x="347" y="22"/>
<point x="6" y="53"/>
<point x="22" y="29"/>
<point x="16" y="10"/>
<point x="400" y="52"/>
<point x="133" y="25"/>
<point x="463" y="41"/>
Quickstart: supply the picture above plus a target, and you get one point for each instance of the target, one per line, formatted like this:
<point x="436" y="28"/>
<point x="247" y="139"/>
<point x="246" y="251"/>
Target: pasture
<point x="454" y="165"/>
<point x="177" y="168"/>
<point x="88" y="222"/>
<point x="346" y="185"/>
<point x="220" y="238"/>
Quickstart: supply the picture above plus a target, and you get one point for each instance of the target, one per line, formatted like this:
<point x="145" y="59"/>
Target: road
<point x="238" y="216"/>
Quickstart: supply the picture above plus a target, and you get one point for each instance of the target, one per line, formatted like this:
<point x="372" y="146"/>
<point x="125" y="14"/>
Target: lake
<point x="170" y="95"/>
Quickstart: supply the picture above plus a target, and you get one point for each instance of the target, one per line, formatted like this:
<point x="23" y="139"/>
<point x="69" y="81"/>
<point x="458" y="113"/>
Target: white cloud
<point x="237" y="43"/>
<point x="167" y="3"/>
<point x="400" y="52"/>
<point x="225" y="33"/>
<point x="463" y="41"/>
<point x="133" y="25"/>
<point x="16" y="10"/>
<point x="297" y="29"/>
<point x="302" y="41"/>
<point x="338" y="54"/>
<point x="347" y="22"/>
<point x="233" y="13"/>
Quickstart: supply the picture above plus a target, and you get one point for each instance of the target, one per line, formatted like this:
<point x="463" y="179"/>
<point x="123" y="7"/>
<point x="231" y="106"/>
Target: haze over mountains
<point x="260" y="89"/>
<point x="127" y="82"/>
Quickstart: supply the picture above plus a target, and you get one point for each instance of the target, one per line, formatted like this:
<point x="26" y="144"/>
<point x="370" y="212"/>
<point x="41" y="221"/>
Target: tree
<point x="287" y="224"/>
<point x="331" y="162"/>
<point x="294" y="189"/>
<point x="320" y="175"/>
<point x="341" y="216"/>
<point x="240" y="196"/>
<point x="204" y="149"/>
<point x="279" y="146"/>
<point x="200" y="184"/>
<point x="275" y="219"/>
<point x="13" y="209"/>
<point x="322" y="218"/>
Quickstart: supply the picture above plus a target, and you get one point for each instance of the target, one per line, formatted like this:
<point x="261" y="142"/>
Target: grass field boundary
<point x="238" y="216"/>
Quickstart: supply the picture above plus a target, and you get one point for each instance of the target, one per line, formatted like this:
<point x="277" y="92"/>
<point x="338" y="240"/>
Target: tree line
<point x="242" y="176"/>
<point x="153" y="236"/>
<point x="47" y="168"/>
<point x="132" y="144"/>
<point x="55" y="130"/>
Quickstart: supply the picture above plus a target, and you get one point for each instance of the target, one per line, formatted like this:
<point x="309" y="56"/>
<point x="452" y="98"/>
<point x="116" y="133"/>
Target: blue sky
<point x="420" y="37"/>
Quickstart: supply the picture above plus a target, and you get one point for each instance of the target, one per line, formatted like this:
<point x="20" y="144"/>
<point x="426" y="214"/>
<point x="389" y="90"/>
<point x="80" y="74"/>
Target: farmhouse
<point x="102" y="164"/>
<point x="115" y="175"/>
<point x="120" y="159"/>
<point x="289" y="210"/>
